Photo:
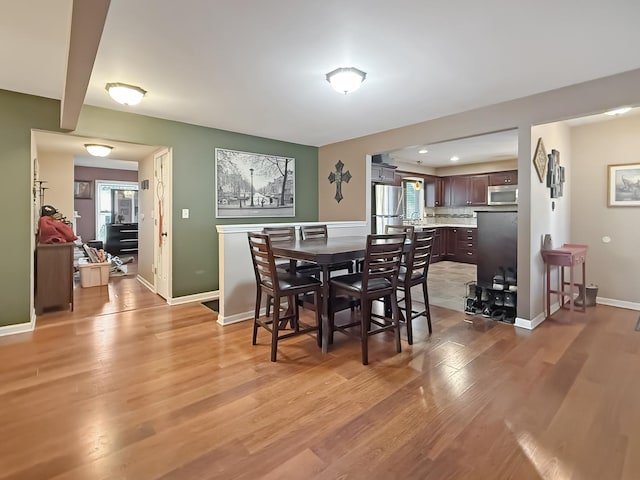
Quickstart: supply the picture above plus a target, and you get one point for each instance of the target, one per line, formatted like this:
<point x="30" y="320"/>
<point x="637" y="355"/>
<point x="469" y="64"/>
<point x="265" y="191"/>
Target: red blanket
<point x="51" y="230"/>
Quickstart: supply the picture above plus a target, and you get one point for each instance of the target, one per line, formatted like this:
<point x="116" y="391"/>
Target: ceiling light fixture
<point x="618" y="111"/>
<point x="125" y="94"/>
<point x="346" y="80"/>
<point x="97" y="150"/>
<point x="455" y="159"/>
<point x="423" y="150"/>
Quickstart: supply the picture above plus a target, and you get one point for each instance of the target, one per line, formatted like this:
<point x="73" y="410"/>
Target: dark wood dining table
<point x="324" y="252"/>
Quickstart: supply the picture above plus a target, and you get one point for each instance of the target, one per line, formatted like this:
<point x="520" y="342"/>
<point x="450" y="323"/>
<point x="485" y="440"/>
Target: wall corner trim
<point x="537" y="320"/>
<point x="146" y="284"/>
<point x="19" y="327"/>
<point x="196" y="297"/>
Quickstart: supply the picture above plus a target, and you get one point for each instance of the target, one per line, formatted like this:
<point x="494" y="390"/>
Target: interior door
<point x="162" y="223"/>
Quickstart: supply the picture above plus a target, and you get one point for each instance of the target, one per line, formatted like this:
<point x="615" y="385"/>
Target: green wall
<point x="195" y="241"/>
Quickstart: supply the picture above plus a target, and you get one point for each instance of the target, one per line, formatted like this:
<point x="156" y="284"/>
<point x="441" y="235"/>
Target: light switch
<point x="185" y="213"/>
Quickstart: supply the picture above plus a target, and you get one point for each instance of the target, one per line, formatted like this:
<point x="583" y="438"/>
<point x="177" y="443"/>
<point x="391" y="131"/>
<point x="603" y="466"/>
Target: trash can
<point x="587" y="295"/>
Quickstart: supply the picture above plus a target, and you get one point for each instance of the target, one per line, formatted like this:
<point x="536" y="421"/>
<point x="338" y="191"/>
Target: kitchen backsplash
<point x="458" y="215"/>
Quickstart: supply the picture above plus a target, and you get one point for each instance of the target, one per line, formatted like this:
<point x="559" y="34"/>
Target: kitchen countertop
<point x="436" y="225"/>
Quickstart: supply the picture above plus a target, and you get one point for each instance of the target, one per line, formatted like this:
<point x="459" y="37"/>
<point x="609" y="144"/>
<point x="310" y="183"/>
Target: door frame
<point x="167" y="221"/>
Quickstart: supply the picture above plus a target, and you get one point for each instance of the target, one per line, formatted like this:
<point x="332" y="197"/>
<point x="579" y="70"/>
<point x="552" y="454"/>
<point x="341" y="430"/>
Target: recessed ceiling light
<point x="346" y="80"/>
<point x="455" y="159"/>
<point x="125" y="94"/>
<point x="423" y="150"/>
<point x="618" y="111"/>
<point x="97" y="150"/>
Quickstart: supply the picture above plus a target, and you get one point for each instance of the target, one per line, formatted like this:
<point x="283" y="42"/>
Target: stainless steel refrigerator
<point x="387" y="207"/>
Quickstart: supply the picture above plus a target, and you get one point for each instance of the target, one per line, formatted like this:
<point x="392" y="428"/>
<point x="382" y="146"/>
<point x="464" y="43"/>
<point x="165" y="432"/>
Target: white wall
<point x="614" y="266"/>
<point x="145" y="220"/>
<point x="544" y="218"/>
<point x="57" y="170"/>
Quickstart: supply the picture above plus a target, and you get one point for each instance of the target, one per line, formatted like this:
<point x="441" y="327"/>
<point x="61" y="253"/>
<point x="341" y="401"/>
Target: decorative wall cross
<point x="338" y="177"/>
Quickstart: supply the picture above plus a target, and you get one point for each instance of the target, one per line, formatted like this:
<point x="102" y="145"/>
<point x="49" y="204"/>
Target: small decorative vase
<point x="547" y="243"/>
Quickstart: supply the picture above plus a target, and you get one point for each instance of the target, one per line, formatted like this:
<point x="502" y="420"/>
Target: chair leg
<point x="396" y="319"/>
<point x="425" y="293"/>
<point x="408" y="313"/>
<point x="269" y="299"/>
<point x="364" y="333"/>
<point x="256" y="315"/>
<point x="274" y="328"/>
<point x="295" y="320"/>
<point x="318" y="317"/>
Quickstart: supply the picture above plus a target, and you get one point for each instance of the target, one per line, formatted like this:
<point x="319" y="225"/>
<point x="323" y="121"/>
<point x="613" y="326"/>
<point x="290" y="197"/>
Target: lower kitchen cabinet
<point x="457" y="244"/>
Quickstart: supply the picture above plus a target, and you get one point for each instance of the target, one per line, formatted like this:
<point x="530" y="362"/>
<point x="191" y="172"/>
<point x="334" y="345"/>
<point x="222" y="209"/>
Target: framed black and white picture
<point x="623" y="187"/>
<point x="254" y="185"/>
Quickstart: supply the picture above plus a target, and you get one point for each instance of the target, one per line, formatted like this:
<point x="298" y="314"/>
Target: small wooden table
<point x="569" y="255"/>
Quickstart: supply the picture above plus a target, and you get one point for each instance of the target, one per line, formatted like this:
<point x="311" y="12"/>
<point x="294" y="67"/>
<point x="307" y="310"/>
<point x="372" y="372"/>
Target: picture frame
<point x="623" y="185"/>
<point x="254" y="185"/>
<point x="83" y="189"/>
<point x="540" y="160"/>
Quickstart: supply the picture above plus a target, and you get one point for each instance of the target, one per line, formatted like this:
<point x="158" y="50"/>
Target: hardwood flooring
<point x="136" y="389"/>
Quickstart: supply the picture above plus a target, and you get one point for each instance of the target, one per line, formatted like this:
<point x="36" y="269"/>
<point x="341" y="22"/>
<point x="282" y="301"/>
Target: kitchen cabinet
<point x="460" y="244"/>
<point x="434" y="191"/>
<point x="382" y="174"/>
<point x="503" y="178"/>
<point x="468" y="190"/>
<point x="477" y="191"/>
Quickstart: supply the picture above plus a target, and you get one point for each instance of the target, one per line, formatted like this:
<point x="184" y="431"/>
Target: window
<point x="413" y="199"/>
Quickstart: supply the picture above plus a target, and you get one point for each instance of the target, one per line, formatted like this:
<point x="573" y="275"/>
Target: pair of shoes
<point x="484" y="297"/>
<point x="469" y="306"/>
<point x="486" y="312"/>
<point x="498" y="279"/>
<point x="497" y="314"/>
<point x="510" y="276"/>
<point x="498" y="299"/>
<point x="509" y="318"/>
<point x="509" y="299"/>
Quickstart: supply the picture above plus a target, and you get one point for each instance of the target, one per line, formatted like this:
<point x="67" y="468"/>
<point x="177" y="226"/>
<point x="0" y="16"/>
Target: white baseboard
<point x="239" y="317"/>
<point x="538" y="319"/>
<point x="612" y="302"/>
<point x="196" y="297"/>
<point x="19" y="327"/>
<point x="147" y="284"/>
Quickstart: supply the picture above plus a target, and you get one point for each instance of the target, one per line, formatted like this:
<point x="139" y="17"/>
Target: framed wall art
<point x="82" y="189"/>
<point x="254" y="185"/>
<point x="540" y="160"/>
<point x="623" y="185"/>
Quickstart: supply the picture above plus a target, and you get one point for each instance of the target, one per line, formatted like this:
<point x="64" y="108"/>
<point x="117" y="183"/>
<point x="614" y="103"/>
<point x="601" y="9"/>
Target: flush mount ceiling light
<point x="98" y="150"/>
<point x="423" y="150"/>
<point x="346" y="80"/>
<point x="618" y="111"/>
<point x="455" y="159"/>
<point x="125" y="94"/>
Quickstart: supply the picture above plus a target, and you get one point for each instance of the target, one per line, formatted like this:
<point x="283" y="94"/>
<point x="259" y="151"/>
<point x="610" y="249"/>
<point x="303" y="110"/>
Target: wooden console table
<point x="570" y="255"/>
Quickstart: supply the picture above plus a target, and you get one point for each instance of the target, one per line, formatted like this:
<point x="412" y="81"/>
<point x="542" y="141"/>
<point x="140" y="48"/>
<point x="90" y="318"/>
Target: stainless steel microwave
<point x="502" y="195"/>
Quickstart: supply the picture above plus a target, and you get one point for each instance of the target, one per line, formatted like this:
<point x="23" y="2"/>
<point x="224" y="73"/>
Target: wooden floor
<point x="135" y="389"/>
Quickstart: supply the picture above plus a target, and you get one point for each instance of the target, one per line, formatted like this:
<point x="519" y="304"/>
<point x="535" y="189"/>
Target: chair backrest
<point x="382" y="258"/>
<point x="407" y="229"/>
<point x="280" y="234"/>
<point x="264" y="265"/>
<point x="313" y="231"/>
<point x="418" y="259"/>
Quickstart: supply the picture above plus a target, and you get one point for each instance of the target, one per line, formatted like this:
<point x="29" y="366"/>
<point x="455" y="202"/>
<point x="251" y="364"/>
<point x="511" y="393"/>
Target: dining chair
<point x="378" y="279"/>
<point x="413" y="272"/>
<point x="391" y="229"/>
<point x="277" y="284"/>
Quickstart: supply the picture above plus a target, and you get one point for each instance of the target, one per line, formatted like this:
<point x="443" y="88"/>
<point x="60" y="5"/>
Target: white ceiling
<point x="258" y="67"/>
<point x="124" y="156"/>
<point x="484" y="148"/>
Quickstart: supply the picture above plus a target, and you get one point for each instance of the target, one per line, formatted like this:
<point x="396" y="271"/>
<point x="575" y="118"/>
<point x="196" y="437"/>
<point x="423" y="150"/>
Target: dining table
<point x="325" y="252"/>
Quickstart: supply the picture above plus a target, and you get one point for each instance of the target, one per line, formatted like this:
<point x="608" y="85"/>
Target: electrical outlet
<point x="185" y="213"/>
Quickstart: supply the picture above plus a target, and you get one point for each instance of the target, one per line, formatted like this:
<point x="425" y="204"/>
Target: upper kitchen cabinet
<point x="503" y="178"/>
<point x="467" y="190"/>
<point x="434" y="195"/>
<point x="382" y="174"/>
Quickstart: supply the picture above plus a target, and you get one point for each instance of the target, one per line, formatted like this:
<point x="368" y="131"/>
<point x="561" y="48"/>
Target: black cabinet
<point x="509" y="177"/>
<point x="497" y="245"/>
<point x="122" y="238"/>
